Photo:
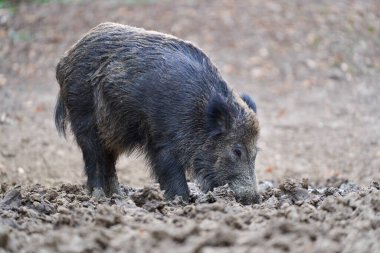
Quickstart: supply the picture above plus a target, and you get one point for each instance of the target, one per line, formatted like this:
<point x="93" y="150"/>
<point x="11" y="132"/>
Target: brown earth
<point x="313" y="68"/>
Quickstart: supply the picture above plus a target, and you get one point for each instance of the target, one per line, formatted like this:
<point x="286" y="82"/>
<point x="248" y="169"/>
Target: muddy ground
<point x="313" y="68"/>
<point x="294" y="217"/>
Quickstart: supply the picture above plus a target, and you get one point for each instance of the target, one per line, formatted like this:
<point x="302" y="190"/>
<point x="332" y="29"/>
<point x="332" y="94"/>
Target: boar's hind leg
<point x="102" y="178"/>
<point x="95" y="159"/>
<point x="170" y="175"/>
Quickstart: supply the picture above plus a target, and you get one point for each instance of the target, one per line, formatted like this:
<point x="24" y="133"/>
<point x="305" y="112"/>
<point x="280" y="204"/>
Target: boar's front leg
<point x="110" y="176"/>
<point x="170" y="173"/>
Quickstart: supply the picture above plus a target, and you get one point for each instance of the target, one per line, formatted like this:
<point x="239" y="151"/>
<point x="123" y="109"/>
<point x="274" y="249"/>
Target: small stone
<point x="329" y="191"/>
<point x="347" y="188"/>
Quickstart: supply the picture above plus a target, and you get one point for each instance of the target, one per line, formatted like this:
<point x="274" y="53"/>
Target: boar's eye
<point x="237" y="152"/>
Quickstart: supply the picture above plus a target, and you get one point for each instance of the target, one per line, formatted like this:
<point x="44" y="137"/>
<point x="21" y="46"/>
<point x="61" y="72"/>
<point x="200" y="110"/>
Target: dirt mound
<point x="294" y="216"/>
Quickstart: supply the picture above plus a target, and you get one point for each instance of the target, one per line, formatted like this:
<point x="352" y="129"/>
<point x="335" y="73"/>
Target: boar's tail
<point x="60" y="116"/>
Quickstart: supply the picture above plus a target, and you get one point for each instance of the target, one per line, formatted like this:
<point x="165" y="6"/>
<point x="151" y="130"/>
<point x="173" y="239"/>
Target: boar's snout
<point x="246" y="195"/>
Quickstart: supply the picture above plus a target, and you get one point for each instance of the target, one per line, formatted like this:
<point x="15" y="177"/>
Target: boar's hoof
<point x="98" y="193"/>
<point x="112" y="187"/>
<point x="182" y="195"/>
<point x="248" y="199"/>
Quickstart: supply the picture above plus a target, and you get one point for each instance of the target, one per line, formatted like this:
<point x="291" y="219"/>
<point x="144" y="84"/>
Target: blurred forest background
<point x="313" y="68"/>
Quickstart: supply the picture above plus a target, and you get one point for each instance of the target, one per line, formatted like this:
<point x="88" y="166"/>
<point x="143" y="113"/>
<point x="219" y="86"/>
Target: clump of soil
<point x="293" y="215"/>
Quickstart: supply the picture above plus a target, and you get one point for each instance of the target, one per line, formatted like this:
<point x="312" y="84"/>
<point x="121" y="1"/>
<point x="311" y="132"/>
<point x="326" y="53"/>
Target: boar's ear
<point x="249" y="101"/>
<point x="218" y="118"/>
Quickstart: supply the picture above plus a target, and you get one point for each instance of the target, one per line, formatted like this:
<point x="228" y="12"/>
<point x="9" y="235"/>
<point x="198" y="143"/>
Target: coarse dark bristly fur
<point x="125" y="89"/>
